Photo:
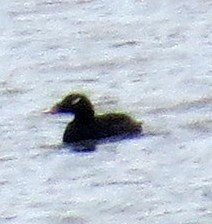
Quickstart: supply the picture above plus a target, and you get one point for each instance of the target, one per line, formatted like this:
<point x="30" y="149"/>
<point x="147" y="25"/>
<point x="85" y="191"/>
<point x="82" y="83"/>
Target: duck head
<point x="77" y="104"/>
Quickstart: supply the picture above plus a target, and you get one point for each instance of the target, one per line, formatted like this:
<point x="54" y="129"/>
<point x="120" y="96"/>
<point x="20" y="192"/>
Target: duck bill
<point x="53" y="110"/>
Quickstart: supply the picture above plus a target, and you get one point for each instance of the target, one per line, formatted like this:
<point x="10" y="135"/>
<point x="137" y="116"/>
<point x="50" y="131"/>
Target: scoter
<point x="88" y="126"/>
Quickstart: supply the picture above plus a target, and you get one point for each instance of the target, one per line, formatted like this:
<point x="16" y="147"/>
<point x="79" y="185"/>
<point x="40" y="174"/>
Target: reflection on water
<point x="92" y="145"/>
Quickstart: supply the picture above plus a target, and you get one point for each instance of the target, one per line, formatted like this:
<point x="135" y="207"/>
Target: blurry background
<point x="150" y="59"/>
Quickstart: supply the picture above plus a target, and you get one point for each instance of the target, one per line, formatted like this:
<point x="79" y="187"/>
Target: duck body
<point x="102" y="126"/>
<point x="88" y="126"/>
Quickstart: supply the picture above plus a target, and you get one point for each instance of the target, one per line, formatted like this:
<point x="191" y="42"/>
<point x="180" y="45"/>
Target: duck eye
<point x="75" y="101"/>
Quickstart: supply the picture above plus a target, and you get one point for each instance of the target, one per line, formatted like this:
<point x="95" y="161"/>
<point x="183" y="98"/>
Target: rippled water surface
<point x="149" y="58"/>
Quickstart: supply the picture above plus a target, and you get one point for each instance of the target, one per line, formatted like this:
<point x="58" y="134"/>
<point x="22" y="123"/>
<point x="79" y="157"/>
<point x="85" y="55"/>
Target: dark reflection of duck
<point x="88" y="126"/>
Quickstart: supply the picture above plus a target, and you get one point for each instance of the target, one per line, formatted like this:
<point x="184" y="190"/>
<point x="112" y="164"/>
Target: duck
<point x="86" y="125"/>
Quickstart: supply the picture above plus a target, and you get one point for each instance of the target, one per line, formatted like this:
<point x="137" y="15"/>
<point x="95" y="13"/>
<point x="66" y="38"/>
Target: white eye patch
<point x="75" y="101"/>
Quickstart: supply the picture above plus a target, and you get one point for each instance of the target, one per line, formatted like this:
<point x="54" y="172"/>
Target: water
<point x="151" y="59"/>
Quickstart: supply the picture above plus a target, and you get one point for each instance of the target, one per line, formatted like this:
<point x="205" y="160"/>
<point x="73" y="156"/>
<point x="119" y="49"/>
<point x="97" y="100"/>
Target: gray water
<point x="149" y="58"/>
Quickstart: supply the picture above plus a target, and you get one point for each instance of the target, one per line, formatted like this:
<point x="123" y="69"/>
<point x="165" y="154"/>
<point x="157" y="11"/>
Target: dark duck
<point x="88" y="126"/>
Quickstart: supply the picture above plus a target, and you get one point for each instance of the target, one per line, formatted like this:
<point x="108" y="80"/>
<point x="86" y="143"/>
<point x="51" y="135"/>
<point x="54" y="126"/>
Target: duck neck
<point x="84" y="117"/>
